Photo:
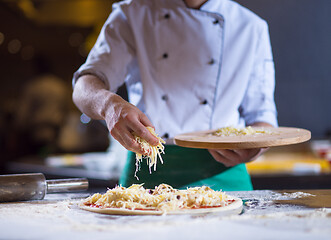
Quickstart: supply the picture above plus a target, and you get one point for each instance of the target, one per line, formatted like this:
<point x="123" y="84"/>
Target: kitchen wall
<point x="301" y="39"/>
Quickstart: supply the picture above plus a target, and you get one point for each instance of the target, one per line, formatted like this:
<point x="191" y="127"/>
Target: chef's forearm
<point x="91" y="96"/>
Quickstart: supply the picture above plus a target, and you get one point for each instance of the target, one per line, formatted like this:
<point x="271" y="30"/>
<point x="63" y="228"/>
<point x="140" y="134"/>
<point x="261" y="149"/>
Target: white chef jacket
<point x="188" y="69"/>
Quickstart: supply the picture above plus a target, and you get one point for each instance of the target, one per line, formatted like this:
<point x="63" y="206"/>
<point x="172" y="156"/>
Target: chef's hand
<point x="234" y="157"/>
<point x="123" y="119"/>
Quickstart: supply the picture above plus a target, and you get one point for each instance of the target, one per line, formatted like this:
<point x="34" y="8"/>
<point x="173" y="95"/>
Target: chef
<point x="188" y="65"/>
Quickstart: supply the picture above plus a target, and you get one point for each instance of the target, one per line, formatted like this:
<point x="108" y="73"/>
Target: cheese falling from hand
<point x="151" y="152"/>
<point x="232" y="131"/>
<point x="163" y="198"/>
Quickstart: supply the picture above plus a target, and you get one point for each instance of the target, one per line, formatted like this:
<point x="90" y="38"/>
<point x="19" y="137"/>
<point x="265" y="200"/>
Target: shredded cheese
<point x="163" y="198"/>
<point x="151" y="152"/>
<point x="232" y="131"/>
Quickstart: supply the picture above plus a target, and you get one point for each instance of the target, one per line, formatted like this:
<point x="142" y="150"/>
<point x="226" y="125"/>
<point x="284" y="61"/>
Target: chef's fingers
<point x="145" y="120"/>
<point x="259" y="153"/>
<point x="140" y="130"/>
<point x="127" y="140"/>
<point x="225" y="156"/>
<point x="234" y="157"/>
<point x="247" y="155"/>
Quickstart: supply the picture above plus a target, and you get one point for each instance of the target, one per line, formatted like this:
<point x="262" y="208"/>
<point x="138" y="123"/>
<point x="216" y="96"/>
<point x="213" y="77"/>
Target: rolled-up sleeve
<point x="112" y="52"/>
<point x="258" y="104"/>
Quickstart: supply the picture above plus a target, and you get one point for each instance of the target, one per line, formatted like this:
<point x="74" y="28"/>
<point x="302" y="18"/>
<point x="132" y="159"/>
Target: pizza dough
<point x="233" y="208"/>
<point x="163" y="199"/>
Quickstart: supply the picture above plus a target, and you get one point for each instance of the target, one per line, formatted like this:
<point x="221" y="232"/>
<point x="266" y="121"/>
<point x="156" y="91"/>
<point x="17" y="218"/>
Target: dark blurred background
<point x="300" y="32"/>
<point x="42" y="42"/>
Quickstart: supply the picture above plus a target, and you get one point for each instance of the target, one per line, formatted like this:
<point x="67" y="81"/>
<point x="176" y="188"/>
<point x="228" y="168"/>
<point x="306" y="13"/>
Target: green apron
<point x="187" y="167"/>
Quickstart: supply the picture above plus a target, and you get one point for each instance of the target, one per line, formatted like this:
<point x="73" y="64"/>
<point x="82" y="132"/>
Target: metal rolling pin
<point x="34" y="186"/>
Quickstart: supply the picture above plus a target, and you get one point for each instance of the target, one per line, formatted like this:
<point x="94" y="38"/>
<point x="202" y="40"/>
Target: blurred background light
<point x="27" y="52"/>
<point x="85" y="119"/>
<point x="2" y="38"/>
<point x="14" y="46"/>
<point x="76" y="39"/>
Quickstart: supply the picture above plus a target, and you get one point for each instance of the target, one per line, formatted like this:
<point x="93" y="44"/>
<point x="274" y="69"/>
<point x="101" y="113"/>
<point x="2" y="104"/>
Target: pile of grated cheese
<point x="151" y="152"/>
<point x="232" y="131"/>
<point x="163" y="198"/>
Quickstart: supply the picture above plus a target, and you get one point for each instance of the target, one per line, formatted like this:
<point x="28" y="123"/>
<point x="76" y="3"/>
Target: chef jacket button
<point x="167" y="16"/>
<point x="204" y="102"/>
<point x="211" y="62"/>
<point x="165" y="97"/>
<point x="166" y="135"/>
<point x="215" y="21"/>
<point x="165" y="55"/>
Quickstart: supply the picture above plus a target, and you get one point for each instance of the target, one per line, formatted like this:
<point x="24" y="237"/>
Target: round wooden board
<point x="274" y="137"/>
<point x="233" y="208"/>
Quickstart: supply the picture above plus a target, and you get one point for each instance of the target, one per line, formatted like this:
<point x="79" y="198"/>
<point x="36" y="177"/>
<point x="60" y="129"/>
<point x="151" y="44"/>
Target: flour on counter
<point x="62" y="219"/>
<point x="264" y="201"/>
<point x="298" y="195"/>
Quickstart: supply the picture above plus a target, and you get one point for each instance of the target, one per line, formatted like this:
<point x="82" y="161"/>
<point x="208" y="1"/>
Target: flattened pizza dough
<point x="233" y="208"/>
<point x="163" y="199"/>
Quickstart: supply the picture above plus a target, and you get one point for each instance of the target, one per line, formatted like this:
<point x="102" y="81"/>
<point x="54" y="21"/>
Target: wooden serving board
<point x="274" y="137"/>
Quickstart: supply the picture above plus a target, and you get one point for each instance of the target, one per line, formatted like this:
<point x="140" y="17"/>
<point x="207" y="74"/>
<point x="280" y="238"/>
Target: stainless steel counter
<point x="266" y="215"/>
